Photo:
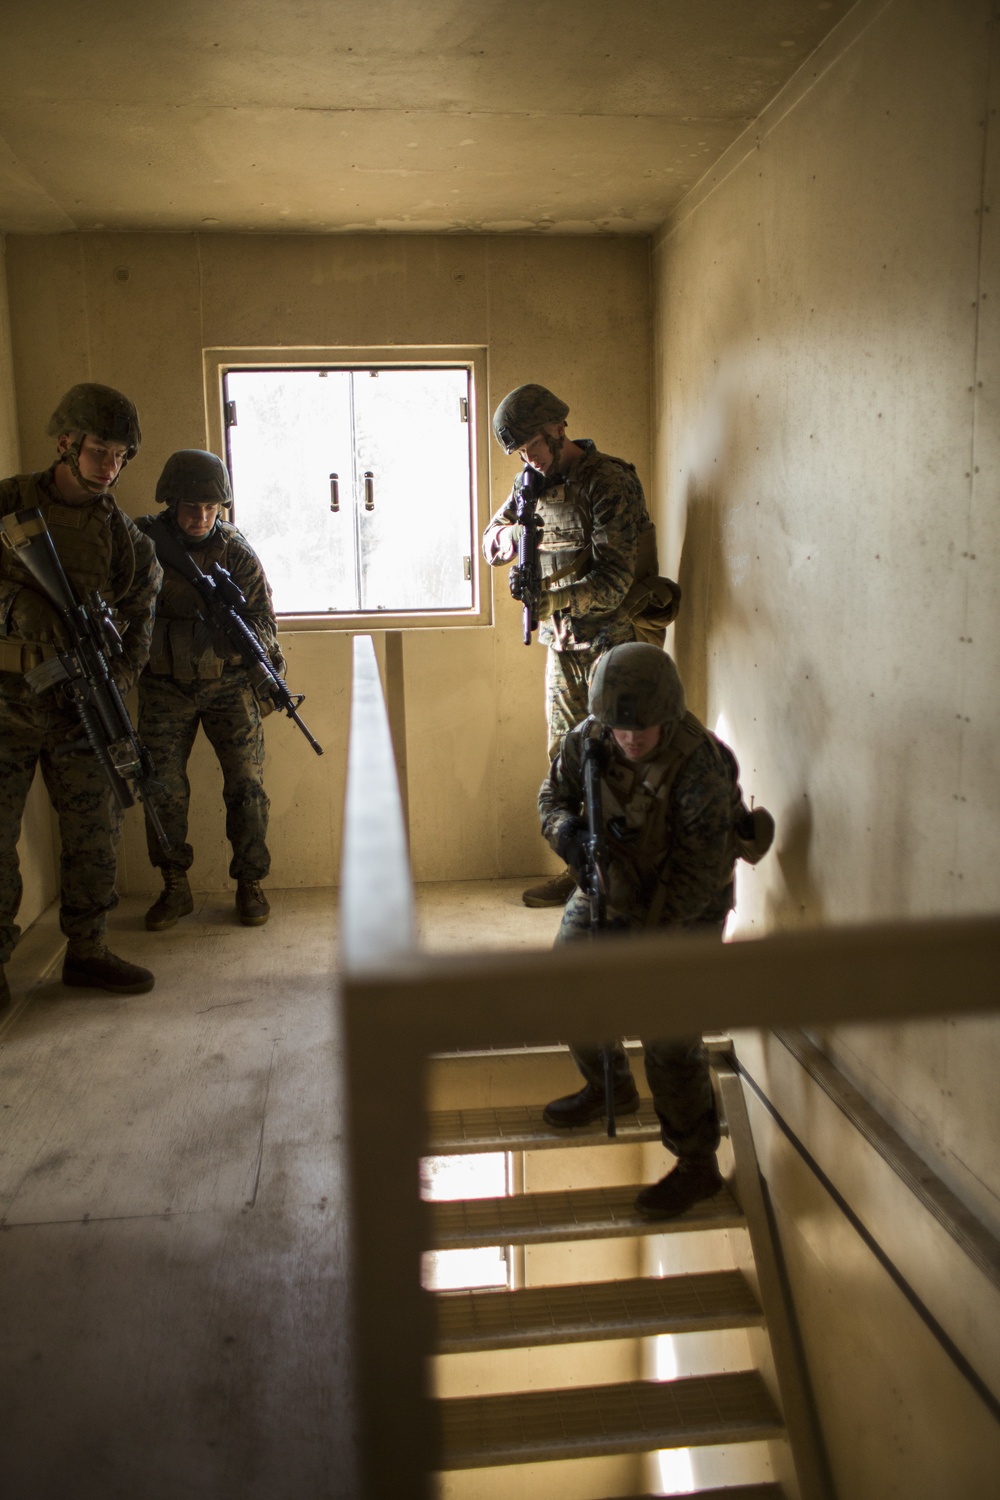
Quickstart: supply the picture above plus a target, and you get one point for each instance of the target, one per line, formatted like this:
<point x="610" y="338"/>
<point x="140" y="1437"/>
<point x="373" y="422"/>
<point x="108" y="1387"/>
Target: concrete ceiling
<point x="565" y="116"/>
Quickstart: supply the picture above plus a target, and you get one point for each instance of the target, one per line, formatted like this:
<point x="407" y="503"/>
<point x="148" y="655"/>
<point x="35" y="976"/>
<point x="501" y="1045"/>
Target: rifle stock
<point x="83" y="671"/>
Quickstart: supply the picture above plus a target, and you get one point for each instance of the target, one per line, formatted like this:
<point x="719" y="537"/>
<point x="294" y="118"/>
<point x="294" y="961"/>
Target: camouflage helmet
<point x="101" y="411"/>
<point x="523" y="413"/>
<point x="636" y="686"/>
<point x="193" y="475"/>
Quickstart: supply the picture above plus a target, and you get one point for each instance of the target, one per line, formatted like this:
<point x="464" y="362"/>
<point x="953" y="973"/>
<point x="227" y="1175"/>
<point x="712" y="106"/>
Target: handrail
<point x="401" y="1005"/>
<point x="376" y="892"/>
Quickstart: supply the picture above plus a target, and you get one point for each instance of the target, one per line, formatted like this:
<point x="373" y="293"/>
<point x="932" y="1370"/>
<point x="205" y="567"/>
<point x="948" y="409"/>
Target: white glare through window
<point x="392" y="531"/>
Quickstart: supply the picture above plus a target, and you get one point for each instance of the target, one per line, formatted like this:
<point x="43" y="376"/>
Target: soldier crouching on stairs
<point x="97" y="432"/>
<point x="675" y="824"/>
<point x="193" y="677"/>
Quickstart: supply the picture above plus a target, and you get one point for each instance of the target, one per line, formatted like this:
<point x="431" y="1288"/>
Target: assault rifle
<point x="526" y="577"/>
<point x="223" y="606"/>
<point x="595" y="760"/>
<point x="83" y="669"/>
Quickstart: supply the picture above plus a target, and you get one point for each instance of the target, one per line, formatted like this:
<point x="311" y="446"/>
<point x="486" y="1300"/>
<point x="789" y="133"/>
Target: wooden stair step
<point x="520" y="1127"/>
<point x="590" y="1421"/>
<point x="639" y="1308"/>
<point x="587" y="1214"/>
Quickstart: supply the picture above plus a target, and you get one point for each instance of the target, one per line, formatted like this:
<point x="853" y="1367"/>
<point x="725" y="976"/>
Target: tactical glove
<point x="33" y="618"/>
<point x="508" y="538"/>
<point x="571" y="846"/>
<point x="519" y="584"/>
<point x="552" y="600"/>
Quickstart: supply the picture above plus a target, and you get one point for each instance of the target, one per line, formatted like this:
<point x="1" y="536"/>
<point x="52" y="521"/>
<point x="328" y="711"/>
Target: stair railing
<point x="401" y="1005"/>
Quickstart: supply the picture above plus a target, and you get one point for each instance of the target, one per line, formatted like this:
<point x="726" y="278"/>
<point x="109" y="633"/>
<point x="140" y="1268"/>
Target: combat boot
<point x="92" y="966"/>
<point x="252" y="906"/>
<point x="554" y="892"/>
<point x="5" y="996"/>
<point x="693" y="1178"/>
<point x="589" y="1104"/>
<point x="173" y="902"/>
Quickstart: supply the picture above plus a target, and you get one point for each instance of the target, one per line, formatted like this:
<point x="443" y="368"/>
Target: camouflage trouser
<point x="567" y="682"/>
<point x="676" y="1067"/>
<point x="32" y="730"/>
<point x="225" y="707"/>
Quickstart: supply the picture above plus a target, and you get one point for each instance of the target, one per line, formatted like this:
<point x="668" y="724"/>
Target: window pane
<point x="411" y="436"/>
<point x="296" y="427"/>
<point x="293" y="429"/>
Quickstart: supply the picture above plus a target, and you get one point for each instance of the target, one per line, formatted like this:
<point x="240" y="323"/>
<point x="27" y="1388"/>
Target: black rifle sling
<point x="170" y="551"/>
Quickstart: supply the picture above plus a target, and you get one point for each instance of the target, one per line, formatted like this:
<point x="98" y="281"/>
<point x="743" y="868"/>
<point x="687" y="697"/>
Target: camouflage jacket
<point x="591" y="517"/>
<point x="183" y="646"/>
<point x="669" y="822"/>
<point x="107" y="552"/>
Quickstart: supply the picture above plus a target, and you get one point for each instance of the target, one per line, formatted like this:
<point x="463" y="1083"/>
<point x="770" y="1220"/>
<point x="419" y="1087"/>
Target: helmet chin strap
<point x="72" y="459"/>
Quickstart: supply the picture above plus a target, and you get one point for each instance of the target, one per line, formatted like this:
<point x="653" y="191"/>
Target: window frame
<point x="217" y="362"/>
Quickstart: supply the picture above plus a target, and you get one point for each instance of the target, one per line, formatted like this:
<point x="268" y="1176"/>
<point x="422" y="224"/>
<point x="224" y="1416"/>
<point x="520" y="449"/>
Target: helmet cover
<point x="635" y="686"/>
<point x="102" y="412"/>
<point x="195" y="476"/>
<point x="523" y="413"/>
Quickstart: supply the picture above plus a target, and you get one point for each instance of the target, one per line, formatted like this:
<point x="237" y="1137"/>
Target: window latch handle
<point x="334" y="492"/>
<point x="369" y="490"/>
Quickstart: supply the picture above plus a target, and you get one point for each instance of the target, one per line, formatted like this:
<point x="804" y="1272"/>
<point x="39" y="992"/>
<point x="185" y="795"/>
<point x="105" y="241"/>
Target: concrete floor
<point x="173" y="1257"/>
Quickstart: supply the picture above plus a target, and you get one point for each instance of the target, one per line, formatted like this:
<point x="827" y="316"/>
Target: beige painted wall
<point x="827" y="471"/>
<point x="571" y="313"/>
<point x="37" y="847"/>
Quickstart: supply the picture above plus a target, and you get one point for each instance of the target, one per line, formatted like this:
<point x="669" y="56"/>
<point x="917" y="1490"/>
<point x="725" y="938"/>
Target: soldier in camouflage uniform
<point x="97" y="431"/>
<point x="671" y="805"/>
<point x="194" y="677"/>
<point x="592" y="512"/>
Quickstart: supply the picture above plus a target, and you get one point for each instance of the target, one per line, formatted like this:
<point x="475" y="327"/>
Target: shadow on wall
<point x="712" y="614"/>
<point x="797" y="899"/>
<point x="702" y="593"/>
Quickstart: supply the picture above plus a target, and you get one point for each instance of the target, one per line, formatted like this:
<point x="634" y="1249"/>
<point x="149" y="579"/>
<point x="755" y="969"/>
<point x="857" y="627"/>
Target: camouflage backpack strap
<point x="30" y="491"/>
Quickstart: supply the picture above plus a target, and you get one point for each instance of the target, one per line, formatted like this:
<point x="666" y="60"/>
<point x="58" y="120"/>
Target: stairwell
<point x="554" y="1385"/>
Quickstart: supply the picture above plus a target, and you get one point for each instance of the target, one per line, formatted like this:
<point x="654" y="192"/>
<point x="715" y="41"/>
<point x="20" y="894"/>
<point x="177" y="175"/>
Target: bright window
<point x="354" y="485"/>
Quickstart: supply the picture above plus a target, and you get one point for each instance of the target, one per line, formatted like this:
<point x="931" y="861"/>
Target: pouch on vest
<point x="652" y="602"/>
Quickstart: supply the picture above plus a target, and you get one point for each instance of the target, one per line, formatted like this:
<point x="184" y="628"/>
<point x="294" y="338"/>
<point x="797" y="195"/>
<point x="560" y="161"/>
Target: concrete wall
<point x="37" y="848"/>
<point x="573" y="313"/>
<point x="827" y="472"/>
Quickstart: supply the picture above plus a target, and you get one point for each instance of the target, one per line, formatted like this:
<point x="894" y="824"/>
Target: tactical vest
<point x="564" y="550"/>
<point x="636" y="803"/>
<point x="183" y="646"/>
<point x="84" y="537"/>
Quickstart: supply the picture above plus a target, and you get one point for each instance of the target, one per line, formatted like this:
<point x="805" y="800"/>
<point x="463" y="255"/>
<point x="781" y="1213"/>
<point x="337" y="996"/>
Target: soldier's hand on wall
<point x="33" y="618"/>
